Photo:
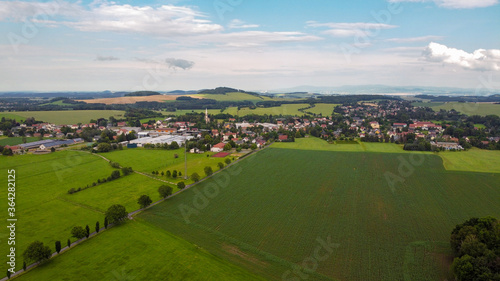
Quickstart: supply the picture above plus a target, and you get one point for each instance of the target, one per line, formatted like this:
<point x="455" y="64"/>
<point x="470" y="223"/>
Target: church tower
<point x="207" y="119"/>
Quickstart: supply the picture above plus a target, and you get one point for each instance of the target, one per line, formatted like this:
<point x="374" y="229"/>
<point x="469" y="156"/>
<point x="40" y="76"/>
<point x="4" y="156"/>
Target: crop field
<point x="149" y="160"/>
<point x="268" y="212"/>
<point x="67" y="117"/>
<point x="16" y="140"/>
<point x="312" y="143"/>
<point x="482" y="109"/>
<point x="144" y="253"/>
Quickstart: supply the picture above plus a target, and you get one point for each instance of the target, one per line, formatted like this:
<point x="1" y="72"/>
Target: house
<point x="121" y="124"/>
<point x="375" y="125"/>
<point x="167" y="130"/>
<point x="399" y="125"/>
<point x="218" y="147"/>
<point x="283" y="137"/>
<point x="195" y="150"/>
<point x="447" y="145"/>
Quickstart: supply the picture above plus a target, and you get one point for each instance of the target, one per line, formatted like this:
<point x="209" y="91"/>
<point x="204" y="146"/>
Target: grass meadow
<point x="470" y="109"/>
<point x="149" y="160"/>
<point x="45" y="210"/>
<point x="137" y="250"/>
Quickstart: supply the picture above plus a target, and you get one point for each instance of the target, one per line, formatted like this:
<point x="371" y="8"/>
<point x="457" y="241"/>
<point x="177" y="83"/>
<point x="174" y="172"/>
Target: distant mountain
<point x="181" y="92"/>
<point x="73" y="95"/>
<point x="384" y="89"/>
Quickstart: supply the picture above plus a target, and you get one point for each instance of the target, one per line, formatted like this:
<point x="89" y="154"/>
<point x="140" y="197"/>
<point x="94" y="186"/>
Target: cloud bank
<point x="179" y="63"/>
<point x="456" y="4"/>
<point x="481" y="59"/>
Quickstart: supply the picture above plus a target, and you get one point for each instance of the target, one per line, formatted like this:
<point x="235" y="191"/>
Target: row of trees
<point x="114" y="175"/>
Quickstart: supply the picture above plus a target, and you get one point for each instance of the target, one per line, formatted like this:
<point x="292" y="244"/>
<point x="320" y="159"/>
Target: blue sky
<point x="250" y="44"/>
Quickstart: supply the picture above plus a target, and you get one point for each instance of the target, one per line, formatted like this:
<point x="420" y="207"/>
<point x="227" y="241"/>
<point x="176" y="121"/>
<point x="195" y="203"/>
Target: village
<point x="368" y="122"/>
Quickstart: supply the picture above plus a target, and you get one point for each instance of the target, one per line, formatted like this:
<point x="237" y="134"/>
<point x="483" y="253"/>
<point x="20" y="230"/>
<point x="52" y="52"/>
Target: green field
<point x="137" y="251"/>
<point x="149" y="160"/>
<point x="269" y="210"/>
<point x="66" y="117"/>
<point x="16" y="140"/>
<point x="322" y="108"/>
<point x="45" y="210"/>
<point x="473" y="160"/>
<point x="470" y="109"/>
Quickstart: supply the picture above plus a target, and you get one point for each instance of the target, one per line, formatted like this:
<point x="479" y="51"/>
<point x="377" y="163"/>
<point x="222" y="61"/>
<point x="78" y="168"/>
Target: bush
<point x="228" y="161"/>
<point x="36" y="252"/>
<point x="174" y="174"/>
<point x="114" y="165"/>
<point x="181" y="185"/>
<point x="168" y="174"/>
<point x="115" y="175"/>
<point x="221" y="165"/>
<point x="78" y="232"/>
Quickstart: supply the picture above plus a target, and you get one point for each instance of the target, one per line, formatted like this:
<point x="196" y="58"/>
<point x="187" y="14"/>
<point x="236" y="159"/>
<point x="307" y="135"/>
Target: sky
<point x="254" y="45"/>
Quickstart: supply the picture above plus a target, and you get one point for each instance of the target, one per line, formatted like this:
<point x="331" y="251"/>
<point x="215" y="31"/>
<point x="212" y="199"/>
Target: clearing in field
<point x="67" y="117"/>
<point x="133" y="99"/>
<point x="480" y="108"/>
<point x="268" y="212"/>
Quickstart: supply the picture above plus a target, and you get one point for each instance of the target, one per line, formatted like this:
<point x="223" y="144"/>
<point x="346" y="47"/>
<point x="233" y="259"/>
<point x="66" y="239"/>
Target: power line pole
<point x="185" y="159"/>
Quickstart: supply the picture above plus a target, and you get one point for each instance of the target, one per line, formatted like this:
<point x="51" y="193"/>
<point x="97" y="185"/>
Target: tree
<point x="58" y="246"/>
<point x="24" y="265"/>
<point x="37" y="252"/>
<point x="228" y="161"/>
<point x="227" y="147"/>
<point x="165" y="191"/>
<point x="78" y="232"/>
<point x="105" y="222"/>
<point x="221" y="165"/>
<point x="174" y="145"/>
<point x="69" y="243"/>
<point x="181" y="185"/>
<point x="174" y="174"/>
<point x="52" y="149"/>
<point x="7" y="151"/>
<point x="97" y="227"/>
<point x="208" y="171"/>
<point x="168" y="174"/>
<point x="115" y="175"/>
<point x="195" y="177"/>
<point x="116" y="213"/>
<point x="253" y="146"/>
<point x="103" y="147"/>
<point x="8" y="274"/>
<point x="87" y="231"/>
<point x="144" y="201"/>
<point x="127" y="171"/>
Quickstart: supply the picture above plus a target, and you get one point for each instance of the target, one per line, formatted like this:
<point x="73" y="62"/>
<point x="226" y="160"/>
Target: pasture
<point x="45" y="210"/>
<point x="267" y="213"/>
<point x="133" y="99"/>
<point x="481" y="108"/>
<point x="66" y="117"/>
<point x="149" y="160"/>
<point x="137" y="250"/>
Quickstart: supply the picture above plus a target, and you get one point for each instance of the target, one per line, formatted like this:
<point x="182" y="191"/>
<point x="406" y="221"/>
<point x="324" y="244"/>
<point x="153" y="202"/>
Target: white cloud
<point x="415" y="39"/>
<point x="236" y="24"/>
<point x="457" y="4"/>
<point x="481" y="59"/>
<point x="347" y="29"/>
